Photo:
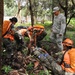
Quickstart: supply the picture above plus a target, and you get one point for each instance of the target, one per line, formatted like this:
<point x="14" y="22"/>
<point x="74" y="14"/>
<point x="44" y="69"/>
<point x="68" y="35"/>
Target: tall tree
<point x="19" y="11"/>
<point x="31" y="12"/>
<point x="1" y="22"/>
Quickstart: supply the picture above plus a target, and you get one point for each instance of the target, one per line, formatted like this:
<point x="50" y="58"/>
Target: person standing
<point x="58" y="28"/>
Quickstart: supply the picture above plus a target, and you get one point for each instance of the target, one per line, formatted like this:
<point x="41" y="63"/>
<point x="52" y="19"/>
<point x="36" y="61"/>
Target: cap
<point x="55" y="9"/>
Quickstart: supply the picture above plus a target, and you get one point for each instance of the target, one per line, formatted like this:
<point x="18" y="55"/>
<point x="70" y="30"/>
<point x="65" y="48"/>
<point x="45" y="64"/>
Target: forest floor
<point x="22" y="64"/>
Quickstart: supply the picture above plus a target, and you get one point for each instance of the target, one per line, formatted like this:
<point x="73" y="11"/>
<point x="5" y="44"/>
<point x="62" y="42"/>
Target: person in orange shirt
<point x="8" y="35"/>
<point x="8" y="25"/>
<point x="68" y="63"/>
<point x="35" y="34"/>
<point x="19" y="37"/>
<point x="38" y="33"/>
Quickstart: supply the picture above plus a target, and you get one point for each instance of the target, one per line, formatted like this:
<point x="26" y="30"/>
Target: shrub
<point x="6" y="69"/>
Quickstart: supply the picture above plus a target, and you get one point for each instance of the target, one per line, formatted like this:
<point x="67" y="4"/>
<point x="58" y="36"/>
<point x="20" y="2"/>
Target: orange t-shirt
<point x="6" y="26"/>
<point x="67" y="60"/>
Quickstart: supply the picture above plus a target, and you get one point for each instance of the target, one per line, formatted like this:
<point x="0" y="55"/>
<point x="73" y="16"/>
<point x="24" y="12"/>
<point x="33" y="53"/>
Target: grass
<point x="72" y="22"/>
<point x="6" y="69"/>
<point x="71" y="35"/>
<point x="22" y="24"/>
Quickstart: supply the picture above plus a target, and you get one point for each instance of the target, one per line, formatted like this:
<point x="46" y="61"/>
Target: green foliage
<point x="30" y="66"/>
<point x="47" y="37"/>
<point x="71" y="35"/>
<point x="47" y="24"/>
<point x="32" y="74"/>
<point x="72" y="22"/>
<point x="25" y="51"/>
<point x="47" y="72"/>
<point x="71" y="26"/>
<point x="24" y="24"/>
<point x="6" y="69"/>
<point x="40" y="7"/>
<point x="9" y="3"/>
<point x="10" y="11"/>
<point x="42" y="72"/>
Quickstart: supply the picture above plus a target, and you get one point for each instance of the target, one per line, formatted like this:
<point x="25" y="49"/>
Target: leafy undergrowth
<point x="23" y="64"/>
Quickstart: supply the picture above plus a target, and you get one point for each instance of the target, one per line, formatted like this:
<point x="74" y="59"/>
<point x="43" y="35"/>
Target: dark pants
<point x="40" y="37"/>
<point x="19" y="41"/>
<point x="9" y="45"/>
<point x="18" y="38"/>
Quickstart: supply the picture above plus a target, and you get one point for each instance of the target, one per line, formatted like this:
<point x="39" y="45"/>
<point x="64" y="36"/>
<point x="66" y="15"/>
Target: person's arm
<point x="30" y="37"/>
<point x="12" y="29"/>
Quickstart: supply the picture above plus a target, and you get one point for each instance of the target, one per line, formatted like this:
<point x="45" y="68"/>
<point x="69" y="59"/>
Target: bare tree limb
<point x="61" y="5"/>
<point x="71" y="18"/>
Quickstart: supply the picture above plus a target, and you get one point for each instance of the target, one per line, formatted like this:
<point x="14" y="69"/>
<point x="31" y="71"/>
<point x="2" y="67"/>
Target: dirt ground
<point x="23" y="64"/>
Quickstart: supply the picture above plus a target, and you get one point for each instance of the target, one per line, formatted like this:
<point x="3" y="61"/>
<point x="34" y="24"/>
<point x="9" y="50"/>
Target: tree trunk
<point x="19" y="11"/>
<point x="66" y="13"/>
<point x="52" y="10"/>
<point x="31" y="12"/>
<point x="1" y="22"/>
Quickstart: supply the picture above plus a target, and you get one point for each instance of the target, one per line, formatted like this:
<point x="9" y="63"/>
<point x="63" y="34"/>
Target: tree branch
<point x="61" y="5"/>
<point x="70" y="18"/>
<point x="73" y="2"/>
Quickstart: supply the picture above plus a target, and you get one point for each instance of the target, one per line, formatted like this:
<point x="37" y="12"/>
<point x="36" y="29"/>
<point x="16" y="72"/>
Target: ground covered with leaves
<point x="23" y="64"/>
